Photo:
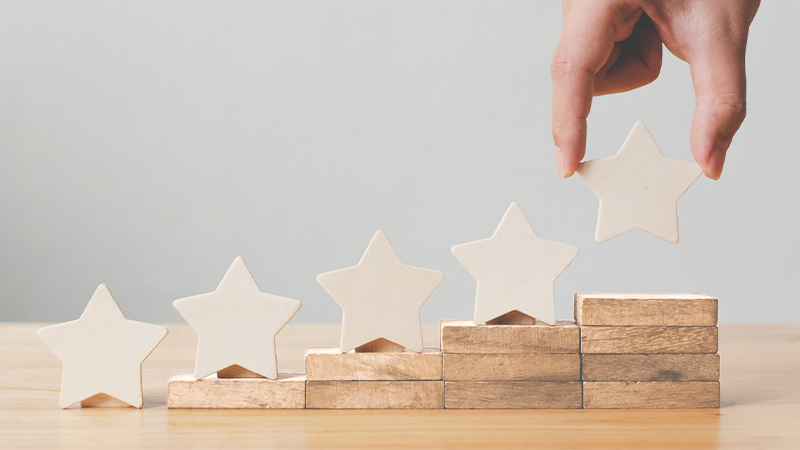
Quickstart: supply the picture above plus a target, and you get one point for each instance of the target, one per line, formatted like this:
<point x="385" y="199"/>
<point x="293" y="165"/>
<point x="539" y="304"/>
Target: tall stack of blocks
<point x="624" y="351"/>
<point x="648" y="351"/>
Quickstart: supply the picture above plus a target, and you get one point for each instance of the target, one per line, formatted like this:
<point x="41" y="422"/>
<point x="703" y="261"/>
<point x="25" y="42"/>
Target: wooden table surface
<point x="760" y="406"/>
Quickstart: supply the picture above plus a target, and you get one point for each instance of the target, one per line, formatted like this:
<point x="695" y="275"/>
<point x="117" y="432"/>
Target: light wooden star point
<point x="236" y="325"/>
<point x="515" y="270"/>
<point x="381" y="297"/>
<point x="102" y="353"/>
<point x="638" y="188"/>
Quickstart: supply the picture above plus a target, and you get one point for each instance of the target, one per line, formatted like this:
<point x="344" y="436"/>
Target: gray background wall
<point x="145" y="145"/>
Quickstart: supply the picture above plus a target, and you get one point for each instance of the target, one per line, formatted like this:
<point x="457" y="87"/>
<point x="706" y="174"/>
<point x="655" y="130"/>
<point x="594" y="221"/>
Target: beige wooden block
<point x="102" y="353"/>
<point x="654" y="367"/>
<point x="288" y="391"/>
<point x="380" y="298"/>
<point x="375" y="394"/>
<point x="331" y="364"/>
<point x="511" y="367"/>
<point x="463" y="336"/>
<point x="638" y="188"/>
<point x="515" y="269"/>
<point x="648" y="339"/>
<point x="512" y="395"/>
<point x="665" y="310"/>
<point x="650" y="395"/>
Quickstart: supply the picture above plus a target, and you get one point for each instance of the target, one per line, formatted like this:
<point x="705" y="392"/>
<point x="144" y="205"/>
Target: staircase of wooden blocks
<point x="623" y="351"/>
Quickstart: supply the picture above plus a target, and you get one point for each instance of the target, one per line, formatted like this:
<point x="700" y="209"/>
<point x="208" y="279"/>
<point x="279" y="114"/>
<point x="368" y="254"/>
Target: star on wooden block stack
<point x="638" y="188"/>
<point x="102" y="353"/>
<point x="236" y="326"/>
<point x="381" y="297"/>
<point x="515" y="270"/>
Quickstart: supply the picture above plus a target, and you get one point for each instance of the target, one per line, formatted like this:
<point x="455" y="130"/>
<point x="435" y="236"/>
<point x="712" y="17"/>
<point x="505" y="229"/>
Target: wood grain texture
<point x="286" y="392"/>
<point x="330" y="364"/>
<point x="760" y="406"/>
<point x="102" y="353"/>
<point x="649" y="395"/>
<point x="649" y="339"/>
<point x="379" y="345"/>
<point x="665" y="310"/>
<point x="515" y="269"/>
<point x="237" y="325"/>
<point x="463" y="336"/>
<point x="375" y="394"/>
<point x="511" y="367"/>
<point x="654" y="367"/>
<point x="380" y="298"/>
<point x="512" y="395"/>
<point x="638" y="188"/>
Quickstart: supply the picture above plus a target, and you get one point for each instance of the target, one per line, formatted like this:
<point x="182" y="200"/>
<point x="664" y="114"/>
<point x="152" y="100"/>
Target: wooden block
<point x="236" y="326"/>
<point x="463" y="336"/>
<point x="511" y="367"/>
<point x="515" y="270"/>
<point x="664" y="310"/>
<point x="375" y="394"/>
<point x="288" y="391"/>
<point x="102" y="353"/>
<point x="379" y="345"/>
<point x="331" y="364"/>
<point x="656" y="367"/>
<point x="648" y="339"/>
<point x="512" y="395"/>
<point x="650" y="395"/>
<point x="380" y="298"/>
<point x="638" y="188"/>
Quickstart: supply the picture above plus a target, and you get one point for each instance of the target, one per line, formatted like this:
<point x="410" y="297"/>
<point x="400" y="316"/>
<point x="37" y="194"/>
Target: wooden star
<point x="381" y="297"/>
<point x="102" y="353"/>
<point x="638" y="188"/>
<point x="236" y="326"/>
<point x="515" y="270"/>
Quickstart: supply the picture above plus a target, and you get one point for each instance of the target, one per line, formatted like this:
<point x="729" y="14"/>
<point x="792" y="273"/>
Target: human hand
<point x="610" y="46"/>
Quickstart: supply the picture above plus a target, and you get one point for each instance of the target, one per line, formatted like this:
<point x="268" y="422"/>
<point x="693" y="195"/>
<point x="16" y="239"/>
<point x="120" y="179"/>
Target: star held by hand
<point x="638" y="188"/>
<point x="515" y="269"/>
<point x="381" y="297"/>
<point x="102" y="353"/>
<point x="236" y="324"/>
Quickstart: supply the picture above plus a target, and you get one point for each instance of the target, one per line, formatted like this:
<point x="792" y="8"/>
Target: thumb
<point x="718" y="75"/>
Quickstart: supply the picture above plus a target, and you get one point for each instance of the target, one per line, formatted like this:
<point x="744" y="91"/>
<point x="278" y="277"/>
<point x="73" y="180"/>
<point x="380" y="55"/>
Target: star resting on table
<point x="515" y="270"/>
<point x="381" y="297"/>
<point x="638" y="188"/>
<point x="102" y="353"/>
<point x="236" y="326"/>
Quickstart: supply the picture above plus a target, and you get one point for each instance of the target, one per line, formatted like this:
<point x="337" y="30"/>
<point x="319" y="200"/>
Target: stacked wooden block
<point x="511" y="366"/>
<point x="648" y="351"/>
<point x="374" y="380"/>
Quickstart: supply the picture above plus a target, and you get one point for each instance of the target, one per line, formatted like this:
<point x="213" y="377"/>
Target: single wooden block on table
<point x="511" y="367"/>
<point x="418" y="394"/>
<point x="649" y="339"/>
<point x="463" y="336"/>
<point x="331" y="364"/>
<point x="653" y="367"/>
<point x="650" y="395"/>
<point x="512" y="395"/>
<point x="288" y="391"/>
<point x="666" y="310"/>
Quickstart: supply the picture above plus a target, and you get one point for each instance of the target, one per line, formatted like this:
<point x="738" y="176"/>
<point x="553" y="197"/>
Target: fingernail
<point x="560" y="163"/>
<point x="715" y="162"/>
